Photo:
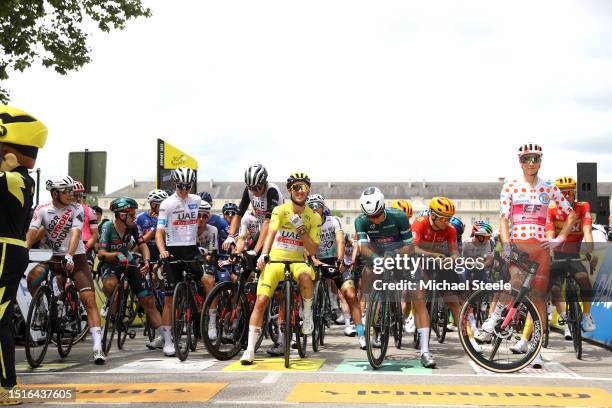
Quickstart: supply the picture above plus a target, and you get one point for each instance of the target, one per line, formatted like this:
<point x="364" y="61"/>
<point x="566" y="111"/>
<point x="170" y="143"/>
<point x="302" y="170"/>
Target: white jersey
<point x="474" y="249"/>
<point x="59" y="224"/>
<point x="208" y="238"/>
<point x="249" y="226"/>
<point x="328" y="247"/>
<point x="179" y="219"/>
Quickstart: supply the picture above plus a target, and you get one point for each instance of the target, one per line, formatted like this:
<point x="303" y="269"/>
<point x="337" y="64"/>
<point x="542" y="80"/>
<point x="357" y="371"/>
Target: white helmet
<point x="315" y="200"/>
<point x="157" y="196"/>
<point x="530" y="148"/>
<point x="372" y="201"/>
<point x="205" y="207"/>
<point x="183" y="175"/>
<point x="64" y="182"/>
<point x="255" y="175"/>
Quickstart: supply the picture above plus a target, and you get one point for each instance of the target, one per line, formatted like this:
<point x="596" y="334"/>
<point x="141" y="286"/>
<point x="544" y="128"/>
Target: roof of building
<point x="343" y="190"/>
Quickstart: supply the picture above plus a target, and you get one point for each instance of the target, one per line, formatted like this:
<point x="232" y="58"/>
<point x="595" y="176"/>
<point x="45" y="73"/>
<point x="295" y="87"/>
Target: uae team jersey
<point x="287" y="245"/>
<point x="328" y="247"/>
<point x="179" y="219"/>
<point x="442" y="241"/>
<point x="58" y="224"/>
<point x="527" y="207"/>
<point x="262" y="206"/>
<point x="556" y="219"/>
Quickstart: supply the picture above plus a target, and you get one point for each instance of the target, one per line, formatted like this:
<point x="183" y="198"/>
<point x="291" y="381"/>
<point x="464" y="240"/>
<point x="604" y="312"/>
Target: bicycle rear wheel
<point x="38" y="330"/>
<point x="181" y="321"/>
<point x="69" y="326"/>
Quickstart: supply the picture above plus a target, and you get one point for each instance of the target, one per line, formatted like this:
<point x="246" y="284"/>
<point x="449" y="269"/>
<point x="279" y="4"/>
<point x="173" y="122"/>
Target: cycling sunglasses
<point x="183" y="186"/>
<point x="531" y="159"/>
<point x="230" y="213"/>
<point x="256" y="188"/>
<point x="438" y="217"/>
<point x="298" y="188"/>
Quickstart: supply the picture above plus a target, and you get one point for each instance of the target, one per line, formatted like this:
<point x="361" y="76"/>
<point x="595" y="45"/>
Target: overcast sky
<point x="345" y="90"/>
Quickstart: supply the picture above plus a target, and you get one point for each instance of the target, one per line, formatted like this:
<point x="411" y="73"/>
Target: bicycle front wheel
<point x="286" y="325"/>
<point x="69" y="325"/>
<point x="38" y="330"/>
<point x="574" y="317"/>
<point x="377" y="329"/>
<point x="181" y="321"/>
<point x="497" y="356"/>
<point x="110" y="324"/>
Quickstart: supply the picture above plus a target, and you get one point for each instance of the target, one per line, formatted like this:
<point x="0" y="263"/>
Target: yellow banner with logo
<point x="175" y="158"/>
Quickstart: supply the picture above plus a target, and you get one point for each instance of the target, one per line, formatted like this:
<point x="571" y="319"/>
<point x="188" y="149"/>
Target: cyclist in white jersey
<point x="60" y="223"/>
<point x="176" y="237"/>
<point x="248" y="233"/>
<point x="263" y="197"/>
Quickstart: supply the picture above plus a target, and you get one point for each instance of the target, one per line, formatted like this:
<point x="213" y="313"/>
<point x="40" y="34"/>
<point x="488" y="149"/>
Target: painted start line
<point x="330" y="393"/>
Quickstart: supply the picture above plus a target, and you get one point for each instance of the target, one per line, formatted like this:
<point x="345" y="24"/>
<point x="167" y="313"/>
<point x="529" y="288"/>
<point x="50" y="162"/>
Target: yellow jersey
<point x="287" y="246"/>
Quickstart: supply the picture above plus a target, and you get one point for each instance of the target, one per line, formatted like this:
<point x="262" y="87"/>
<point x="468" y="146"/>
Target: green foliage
<point x="51" y="32"/>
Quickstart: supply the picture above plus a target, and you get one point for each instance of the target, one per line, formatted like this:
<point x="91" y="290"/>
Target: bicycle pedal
<point x="132" y="334"/>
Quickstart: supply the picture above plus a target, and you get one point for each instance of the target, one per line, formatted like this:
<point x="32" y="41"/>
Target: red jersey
<point x="443" y="241"/>
<point x="556" y="218"/>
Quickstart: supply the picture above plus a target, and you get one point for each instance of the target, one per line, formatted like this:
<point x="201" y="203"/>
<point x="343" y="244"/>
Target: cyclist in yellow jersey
<point x="293" y="228"/>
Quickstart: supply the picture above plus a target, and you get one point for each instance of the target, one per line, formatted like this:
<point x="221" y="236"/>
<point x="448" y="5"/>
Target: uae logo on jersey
<point x="544" y="198"/>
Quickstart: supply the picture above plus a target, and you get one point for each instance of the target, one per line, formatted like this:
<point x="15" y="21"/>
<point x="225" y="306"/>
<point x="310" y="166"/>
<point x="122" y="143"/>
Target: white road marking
<point x="272" y="403"/>
<point x="272" y="377"/>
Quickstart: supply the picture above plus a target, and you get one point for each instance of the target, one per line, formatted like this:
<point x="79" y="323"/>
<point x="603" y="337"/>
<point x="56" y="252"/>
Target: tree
<point x="51" y="32"/>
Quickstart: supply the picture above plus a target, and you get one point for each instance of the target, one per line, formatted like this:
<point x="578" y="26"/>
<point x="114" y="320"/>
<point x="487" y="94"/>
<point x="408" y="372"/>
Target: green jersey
<point x="111" y="241"/>
<point x="392" y="233"/>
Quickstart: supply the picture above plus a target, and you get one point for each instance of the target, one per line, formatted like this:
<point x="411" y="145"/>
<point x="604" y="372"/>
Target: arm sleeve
<point x="162" y="218"/>
<point x="92" y="219"/>
<point x="272" y="199"/>
<point x="36" y="218"/>
<point x="244" y="226"/>
<point x="505" y="201"/>
<point x="104" y="239"/>
<point x="560" y="201"/>
<point x="360" y="230"/>
<point x="586" y="216"/>
<point x="337" y="224"/>
<point x="244" y="202"/>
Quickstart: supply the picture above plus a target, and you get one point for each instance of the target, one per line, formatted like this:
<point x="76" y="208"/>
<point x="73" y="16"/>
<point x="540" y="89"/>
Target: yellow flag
<point x="175" y="158"/>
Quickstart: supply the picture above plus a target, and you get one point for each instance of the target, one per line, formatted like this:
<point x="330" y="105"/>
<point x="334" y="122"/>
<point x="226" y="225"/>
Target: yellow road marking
<point x="143" y="392"/>
<point x="449" y="395"/>
<point x="278" y="364"/>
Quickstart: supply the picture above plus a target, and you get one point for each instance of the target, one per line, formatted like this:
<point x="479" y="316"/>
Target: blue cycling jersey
<point x="146" y="223"/>
<point x="221" y="225"/>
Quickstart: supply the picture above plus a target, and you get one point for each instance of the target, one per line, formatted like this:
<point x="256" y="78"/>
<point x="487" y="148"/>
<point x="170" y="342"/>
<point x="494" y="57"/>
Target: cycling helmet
<point x="403" y="205"/>
<point x="205" y="196"/>
<point x="297" y="177"/>
<point x="442" y="206"/>
<point x="60" y="184"/>
<point x="229" y="207"/>
<point x="157" y="196"/>
<point x="327" y="212"/>
<point x="78" y="187"/>
<point x="205" y="207"/>
<point x="566" y="183"/>
<point x="530" y="148"/>
<point x="18" y="128"/>
<point x="122" y="204"/>
<point x="372" y="201"/>
<point x="255" y="175"/>
<point x="482" y="228"/>
<point x="183" y="175"/>
<point x="458" y="225"/>
<point x="315" y="201"/>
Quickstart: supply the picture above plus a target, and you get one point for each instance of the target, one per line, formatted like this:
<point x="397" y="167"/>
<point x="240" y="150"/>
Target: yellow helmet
<point x="22" y="129"/>
<point x="403" y="205"/>
<point x="566" y="183"/>
<point x="442" y="206"/>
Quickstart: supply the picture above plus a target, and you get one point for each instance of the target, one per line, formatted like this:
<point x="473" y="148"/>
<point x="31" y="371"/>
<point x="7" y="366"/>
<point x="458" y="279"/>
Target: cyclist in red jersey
<point x="524" y="209"/>
<point x="90" y="232"/>
<point x="571" y="249"/>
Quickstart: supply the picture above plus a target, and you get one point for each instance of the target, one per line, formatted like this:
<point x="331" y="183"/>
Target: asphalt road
<point x="338" y="374"/>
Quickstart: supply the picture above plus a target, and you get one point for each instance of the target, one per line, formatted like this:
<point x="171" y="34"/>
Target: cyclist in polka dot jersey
<point x="524" y="209"/>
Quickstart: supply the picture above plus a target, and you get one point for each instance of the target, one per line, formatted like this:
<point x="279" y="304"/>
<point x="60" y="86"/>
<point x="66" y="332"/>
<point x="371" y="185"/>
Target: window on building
<point x="487" y="205"/>
<point x="333" y="205"/>
<point x="458" y="204"/>
<point x="348" y="220"/>
<point x="473" y="205"/>
<point x="348" y="203"/>
<point x="487" y="220"/>
<point x="473" y="220"/>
